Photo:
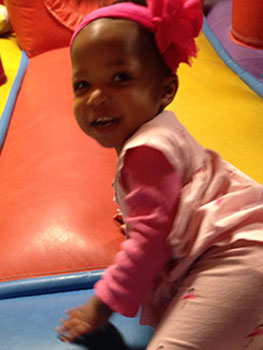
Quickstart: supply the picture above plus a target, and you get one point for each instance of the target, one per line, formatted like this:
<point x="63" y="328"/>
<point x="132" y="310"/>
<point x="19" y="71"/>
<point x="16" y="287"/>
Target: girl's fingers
<point x="65" y="324"/>
<point x="60" y="329"/>
<point x="75" y="331"/>
<point x="118" y="216"/>
<point x="75" y="311"/>
<point x="73" y="326"/>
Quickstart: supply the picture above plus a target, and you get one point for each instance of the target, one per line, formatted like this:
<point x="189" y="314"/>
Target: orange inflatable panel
<point x="42" y="25"/>
<point x="247" y="23"/>
<point x="56" y="198"/>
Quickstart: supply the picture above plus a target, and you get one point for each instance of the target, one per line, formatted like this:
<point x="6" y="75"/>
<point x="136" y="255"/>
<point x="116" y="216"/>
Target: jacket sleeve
<point x="152" y="190"/>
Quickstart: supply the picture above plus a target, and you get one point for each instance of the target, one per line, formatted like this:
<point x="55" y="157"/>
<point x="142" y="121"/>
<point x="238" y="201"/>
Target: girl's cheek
<point x="78" y="115"/>
<point x="77" y="108"/>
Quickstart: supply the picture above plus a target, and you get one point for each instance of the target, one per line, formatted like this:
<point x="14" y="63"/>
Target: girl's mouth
<point x="103" y="121"/>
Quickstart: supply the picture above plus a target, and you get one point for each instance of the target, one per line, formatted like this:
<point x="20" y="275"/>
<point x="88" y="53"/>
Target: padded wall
<point x="55" y="182"/>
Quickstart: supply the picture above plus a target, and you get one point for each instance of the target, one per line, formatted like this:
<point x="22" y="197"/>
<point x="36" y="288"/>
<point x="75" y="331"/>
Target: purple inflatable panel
<point x="219" y="19"/>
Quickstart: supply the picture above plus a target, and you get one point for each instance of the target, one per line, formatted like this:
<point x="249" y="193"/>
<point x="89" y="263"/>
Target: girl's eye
<point x="121" y="77"/>
<point x="80" y="85"/>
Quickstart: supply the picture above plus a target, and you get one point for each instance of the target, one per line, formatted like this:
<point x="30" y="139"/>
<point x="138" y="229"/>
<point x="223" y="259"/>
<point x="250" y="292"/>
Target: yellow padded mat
<point x="221" y="111"/>
<point x="11" y="57"/>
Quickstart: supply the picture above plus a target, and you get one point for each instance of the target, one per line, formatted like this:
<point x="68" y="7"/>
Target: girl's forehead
<point x="108" y="31"/>
<point x="116" y="38"/>
<point x="113" y="34"/>
<point x="98" y="48"/>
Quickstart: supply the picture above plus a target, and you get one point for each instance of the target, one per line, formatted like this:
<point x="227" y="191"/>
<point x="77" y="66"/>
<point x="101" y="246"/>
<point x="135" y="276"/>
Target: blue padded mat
<point x="28" y="323"/>
<point x="31" y="309"/>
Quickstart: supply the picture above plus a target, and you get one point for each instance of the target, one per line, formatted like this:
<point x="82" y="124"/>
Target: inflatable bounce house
<point x="56" y="208"/>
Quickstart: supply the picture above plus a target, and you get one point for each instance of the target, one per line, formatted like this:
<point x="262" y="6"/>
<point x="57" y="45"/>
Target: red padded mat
<point x="56" y="196"/>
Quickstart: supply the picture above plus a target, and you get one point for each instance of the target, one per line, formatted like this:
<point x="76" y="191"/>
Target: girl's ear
<point x="170" y="86"/>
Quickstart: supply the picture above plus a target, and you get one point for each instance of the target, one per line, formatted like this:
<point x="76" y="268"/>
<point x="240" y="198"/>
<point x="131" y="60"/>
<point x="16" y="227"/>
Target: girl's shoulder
<point x="167" y="135"/>
<point x="162" y="130"/>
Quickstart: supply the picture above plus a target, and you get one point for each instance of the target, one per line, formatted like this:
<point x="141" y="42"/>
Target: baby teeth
<point x="105" y="120"/>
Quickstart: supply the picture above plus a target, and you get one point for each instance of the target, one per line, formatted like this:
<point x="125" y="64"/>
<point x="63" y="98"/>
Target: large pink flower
<point x="177" y="23"/>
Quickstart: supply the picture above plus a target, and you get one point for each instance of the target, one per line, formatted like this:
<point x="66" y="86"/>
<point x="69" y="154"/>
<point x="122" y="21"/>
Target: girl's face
<point x="117" y="81"/>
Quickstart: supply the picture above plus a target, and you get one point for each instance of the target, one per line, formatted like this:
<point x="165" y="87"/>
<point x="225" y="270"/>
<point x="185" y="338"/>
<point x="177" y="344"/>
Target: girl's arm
<point x="152" y="187"/>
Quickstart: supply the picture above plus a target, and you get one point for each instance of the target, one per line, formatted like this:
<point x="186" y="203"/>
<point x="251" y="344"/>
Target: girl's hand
<point x="119" y="218"/>
<point x="84" y="319"/>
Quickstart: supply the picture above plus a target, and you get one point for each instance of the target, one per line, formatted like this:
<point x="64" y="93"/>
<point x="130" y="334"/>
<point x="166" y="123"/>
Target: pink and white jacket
<point x="178" y="199"/>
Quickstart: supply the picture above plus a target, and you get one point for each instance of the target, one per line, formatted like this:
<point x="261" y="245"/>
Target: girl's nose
<point x="96" y="98"/>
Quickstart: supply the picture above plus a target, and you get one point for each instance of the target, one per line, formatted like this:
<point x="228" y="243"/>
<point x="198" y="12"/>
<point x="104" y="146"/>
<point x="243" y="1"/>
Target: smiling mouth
<point x="104" y="121"/>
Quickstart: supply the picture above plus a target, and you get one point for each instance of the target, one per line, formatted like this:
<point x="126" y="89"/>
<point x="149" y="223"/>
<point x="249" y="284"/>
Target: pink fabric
<point x="219" y="303"/>
<point x="152" y="188"/>
<point x="219" y="205"/>
<point x="175" y="24"/>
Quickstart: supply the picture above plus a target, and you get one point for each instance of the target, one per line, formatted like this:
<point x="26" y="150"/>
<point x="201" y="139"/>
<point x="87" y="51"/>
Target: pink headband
<point x="175" y="24"/>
